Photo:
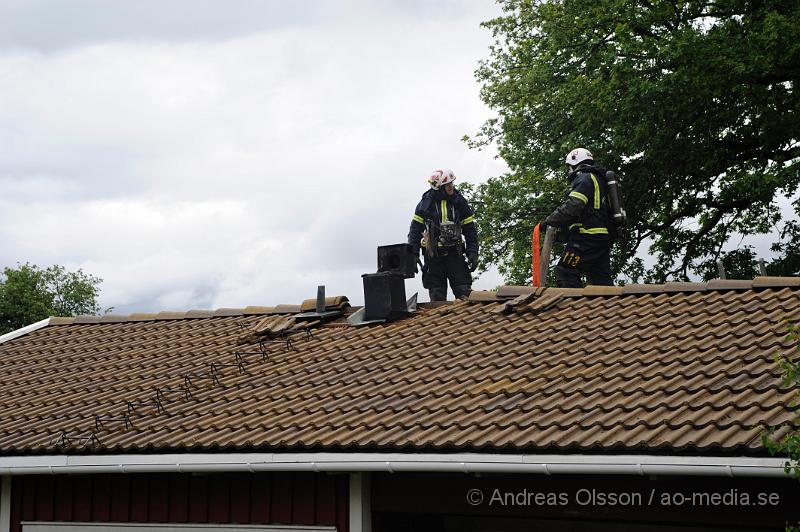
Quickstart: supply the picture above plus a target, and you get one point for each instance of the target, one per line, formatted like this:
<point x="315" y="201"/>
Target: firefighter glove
<point x="472" y="259"/>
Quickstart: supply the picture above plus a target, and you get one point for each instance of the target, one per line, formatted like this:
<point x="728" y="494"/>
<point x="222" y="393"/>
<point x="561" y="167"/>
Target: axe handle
<point x="544" y="258"/>
<point x="535" y="275"/>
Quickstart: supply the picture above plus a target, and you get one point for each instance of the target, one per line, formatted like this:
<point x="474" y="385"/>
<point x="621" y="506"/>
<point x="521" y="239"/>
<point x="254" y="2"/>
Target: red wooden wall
<point x="241" y="498"/>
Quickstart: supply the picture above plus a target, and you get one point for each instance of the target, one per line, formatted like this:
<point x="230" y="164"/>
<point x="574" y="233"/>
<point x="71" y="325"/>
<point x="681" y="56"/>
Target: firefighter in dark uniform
<point x="585" y="217"/>
<point x="440" y="219"/>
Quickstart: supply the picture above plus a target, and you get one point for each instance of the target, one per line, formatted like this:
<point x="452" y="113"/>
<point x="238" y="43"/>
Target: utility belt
<point x="442" y="250"/>
<point x="447" y="236"/>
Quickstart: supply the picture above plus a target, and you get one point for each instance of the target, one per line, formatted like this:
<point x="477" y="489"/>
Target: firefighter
<point x="585" y="218"/>
<point x="441" y="218"/>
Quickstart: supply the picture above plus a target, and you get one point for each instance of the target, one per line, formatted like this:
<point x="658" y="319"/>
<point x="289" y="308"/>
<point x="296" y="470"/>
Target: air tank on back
<point x="617" y="212"/>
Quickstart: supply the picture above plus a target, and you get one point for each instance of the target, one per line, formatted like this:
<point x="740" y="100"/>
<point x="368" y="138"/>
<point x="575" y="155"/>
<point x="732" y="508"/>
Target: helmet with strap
<point x="579" y="156"/>
<point x="441" y="177"/>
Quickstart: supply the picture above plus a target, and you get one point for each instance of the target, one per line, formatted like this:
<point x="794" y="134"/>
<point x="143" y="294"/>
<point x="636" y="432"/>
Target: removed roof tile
<point x="331" y="303"/>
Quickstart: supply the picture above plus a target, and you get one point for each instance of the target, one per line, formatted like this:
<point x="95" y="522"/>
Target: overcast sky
<point x="204" y="154"/>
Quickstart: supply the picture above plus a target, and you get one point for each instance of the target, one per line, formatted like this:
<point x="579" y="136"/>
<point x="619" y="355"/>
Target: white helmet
<point x="441" y="177"/>
<point x="579" y="156"/>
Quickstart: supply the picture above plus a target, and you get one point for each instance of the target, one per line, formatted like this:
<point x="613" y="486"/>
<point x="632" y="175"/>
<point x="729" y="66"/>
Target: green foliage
<point x="29" y="294"/>
<point x="740" y="263"/>
<point x="787" y="250"/>
<point x="24" y="298"/>
<point x="693" y="102"/>
<point x="789" y="444"/>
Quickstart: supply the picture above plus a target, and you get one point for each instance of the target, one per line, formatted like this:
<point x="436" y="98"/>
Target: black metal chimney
<point x="385" y="291"/>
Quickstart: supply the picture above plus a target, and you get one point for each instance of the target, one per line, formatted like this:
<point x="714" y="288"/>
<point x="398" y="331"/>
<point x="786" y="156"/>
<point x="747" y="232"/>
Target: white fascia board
<point x="397" y="462"/>
<point x="25" y="330"/>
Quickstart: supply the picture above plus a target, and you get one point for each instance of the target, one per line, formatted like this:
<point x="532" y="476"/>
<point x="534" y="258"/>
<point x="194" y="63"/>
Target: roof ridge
<point x="164" y="315"/>
<point x="223" y="312"/>
<point x="506" y="292"/>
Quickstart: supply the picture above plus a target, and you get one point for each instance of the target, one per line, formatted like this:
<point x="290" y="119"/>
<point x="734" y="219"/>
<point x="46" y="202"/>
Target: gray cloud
<point x="48" y="25"/>
<point x="237" y="171"/>
<point x="51" y="25"/>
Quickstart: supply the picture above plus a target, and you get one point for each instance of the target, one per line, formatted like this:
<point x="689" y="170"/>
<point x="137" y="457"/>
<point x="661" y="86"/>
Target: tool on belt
<point x="439" y="236"/>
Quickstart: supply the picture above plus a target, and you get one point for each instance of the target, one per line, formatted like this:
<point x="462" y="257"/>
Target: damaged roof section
<point x="675" y="368"/>
<point x="276" y="326"/>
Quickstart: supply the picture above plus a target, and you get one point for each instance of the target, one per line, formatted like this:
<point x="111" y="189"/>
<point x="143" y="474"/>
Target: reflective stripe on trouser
<point x="585" y="254"/>
<point x="443" y="268"/>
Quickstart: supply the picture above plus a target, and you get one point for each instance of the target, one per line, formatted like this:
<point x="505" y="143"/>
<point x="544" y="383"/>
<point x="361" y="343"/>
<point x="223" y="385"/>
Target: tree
<point x="695" y="103"/>
<point x="788" y="444"/>
<point x="29" y="294"/>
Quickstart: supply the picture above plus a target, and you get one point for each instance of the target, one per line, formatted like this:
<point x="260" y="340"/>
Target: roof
<point x="681" y="368"/>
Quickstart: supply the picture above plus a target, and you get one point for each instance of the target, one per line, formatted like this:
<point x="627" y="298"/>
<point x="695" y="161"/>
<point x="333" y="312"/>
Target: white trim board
<point x="5" y="504"/>
<point x="360" y="503"/>
<point x="25" y="330"/>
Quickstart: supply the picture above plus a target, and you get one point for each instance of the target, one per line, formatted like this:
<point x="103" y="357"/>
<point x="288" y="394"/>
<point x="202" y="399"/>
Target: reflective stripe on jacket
<point x="436" y="207"/>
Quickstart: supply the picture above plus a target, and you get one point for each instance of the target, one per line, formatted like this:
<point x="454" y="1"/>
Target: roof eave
<point x="397" y="462"/>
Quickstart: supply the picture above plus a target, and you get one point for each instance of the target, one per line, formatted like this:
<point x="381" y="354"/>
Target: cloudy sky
<point x="204" y="154"/>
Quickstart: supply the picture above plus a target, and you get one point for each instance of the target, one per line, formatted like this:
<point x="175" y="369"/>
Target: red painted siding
<point x="229" y="498"/>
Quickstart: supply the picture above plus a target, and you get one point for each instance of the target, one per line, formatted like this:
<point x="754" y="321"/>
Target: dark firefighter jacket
<point x="586" y="211"/>
<point x="436" y="207"/>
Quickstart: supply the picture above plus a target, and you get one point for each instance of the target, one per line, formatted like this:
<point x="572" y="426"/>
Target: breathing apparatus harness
<point x="441" y="237"/>
<point x="618" y="216"/>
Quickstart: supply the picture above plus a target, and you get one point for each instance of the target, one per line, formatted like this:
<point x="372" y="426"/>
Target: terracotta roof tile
<point x="685" y="287"/>
<point x="337" y="302"/>
<point x="219" y="312"/>
<point x="642" y="288"/>
<point x="258" y="310"/>
<point x="141" y="317"/>
<point x="200" y="314"/>
<point x="87" y="319"/>
<point x="509" y="291"/>
<point x="113" y="318"/>
<point x="61" y="321"/>
<point x="484" y="296"/>
<point x="286" y="309"/>
<point x="602" y="290"/>
<point x="730" y="284"/>
<point x="669" y="369"/>
<point x="166" y="315"/>
<point x="770" y="282"/>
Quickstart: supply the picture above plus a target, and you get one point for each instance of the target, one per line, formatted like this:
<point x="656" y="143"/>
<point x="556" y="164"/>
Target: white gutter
<point x="25" y="330"/>
<point x="396" y="462"/>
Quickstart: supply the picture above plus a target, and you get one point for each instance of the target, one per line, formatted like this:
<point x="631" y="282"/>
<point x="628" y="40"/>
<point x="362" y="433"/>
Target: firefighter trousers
<point x="587" y="254"/>
<point x="448" y="265"/>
